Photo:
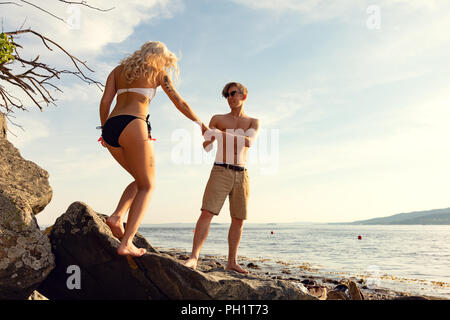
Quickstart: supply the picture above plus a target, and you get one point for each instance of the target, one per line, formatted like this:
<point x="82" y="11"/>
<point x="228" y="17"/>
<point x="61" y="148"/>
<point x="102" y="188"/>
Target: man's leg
<point x="234" y="238"/>
<point x="200" y="235"/>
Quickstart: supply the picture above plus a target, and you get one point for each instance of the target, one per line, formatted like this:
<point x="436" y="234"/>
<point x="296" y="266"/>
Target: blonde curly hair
<point x="152" y="58"/>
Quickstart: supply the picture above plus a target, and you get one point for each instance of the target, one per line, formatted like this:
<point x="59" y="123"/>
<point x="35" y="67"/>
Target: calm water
<point x="415" y="258"/>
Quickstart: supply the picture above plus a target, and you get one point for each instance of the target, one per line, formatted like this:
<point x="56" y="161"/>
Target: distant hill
<point x="437" y="216"/>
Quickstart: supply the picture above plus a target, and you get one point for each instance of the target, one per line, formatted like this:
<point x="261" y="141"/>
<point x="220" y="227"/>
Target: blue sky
<point x="354" y="119"/>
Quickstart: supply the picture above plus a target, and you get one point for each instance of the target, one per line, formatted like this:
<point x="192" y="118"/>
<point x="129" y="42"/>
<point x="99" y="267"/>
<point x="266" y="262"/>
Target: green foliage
<point x="6" y="48"/>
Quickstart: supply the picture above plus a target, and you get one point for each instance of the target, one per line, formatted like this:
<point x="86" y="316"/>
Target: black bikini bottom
<point x="114" y="126"/>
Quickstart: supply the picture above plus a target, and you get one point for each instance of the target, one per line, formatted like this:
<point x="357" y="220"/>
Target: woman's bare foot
<point x="115" y="223"/>
<point x="236" y="267"/>
<point x="131" y="250"/>
<point x="191" y="263"/>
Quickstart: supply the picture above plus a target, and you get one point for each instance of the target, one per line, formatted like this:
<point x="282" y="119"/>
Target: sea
<point x="407" y="258"/>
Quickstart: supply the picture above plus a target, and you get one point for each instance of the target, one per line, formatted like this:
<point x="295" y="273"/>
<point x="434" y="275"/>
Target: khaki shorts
<point x="225" y="182"/>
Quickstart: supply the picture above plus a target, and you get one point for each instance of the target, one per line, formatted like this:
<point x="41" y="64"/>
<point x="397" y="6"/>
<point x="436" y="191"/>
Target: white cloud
<point x="95" y="29"/>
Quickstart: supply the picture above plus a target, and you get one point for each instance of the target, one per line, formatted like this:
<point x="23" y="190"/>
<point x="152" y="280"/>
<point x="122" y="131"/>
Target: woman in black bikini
<point x="126" y="131"/>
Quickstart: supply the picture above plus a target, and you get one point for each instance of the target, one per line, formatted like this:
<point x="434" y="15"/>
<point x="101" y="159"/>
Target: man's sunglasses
<point x="232" y="93"/>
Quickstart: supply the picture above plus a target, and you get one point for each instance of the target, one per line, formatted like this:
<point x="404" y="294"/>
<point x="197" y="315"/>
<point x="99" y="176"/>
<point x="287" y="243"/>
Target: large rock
<point x="25" y="252"/>
<point x="84" y="247"/>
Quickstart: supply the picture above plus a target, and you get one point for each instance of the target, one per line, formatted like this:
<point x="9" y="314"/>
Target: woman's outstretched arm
<point x="178" y="101"/>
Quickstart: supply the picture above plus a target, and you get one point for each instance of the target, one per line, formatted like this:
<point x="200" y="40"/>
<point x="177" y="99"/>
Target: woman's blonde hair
<point x="152" y="58"/>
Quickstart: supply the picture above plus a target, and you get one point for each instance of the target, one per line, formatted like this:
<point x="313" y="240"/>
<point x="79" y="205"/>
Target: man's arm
<point x="250" y="135"/>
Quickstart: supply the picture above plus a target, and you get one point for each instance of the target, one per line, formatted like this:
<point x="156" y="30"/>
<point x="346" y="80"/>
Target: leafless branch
<point x="39" y="8"/>
<point x="35" y="81"/>
<point x="84" y="3"/>
<point x="10" y="2"/>
<point x="33" y="4"/>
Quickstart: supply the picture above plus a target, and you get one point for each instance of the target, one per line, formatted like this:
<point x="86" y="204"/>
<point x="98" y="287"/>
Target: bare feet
<point x="236" y="267"/>
<point x="191" y="263"/>
<point x="131" y="250"/>
<point x="115" y="223"/>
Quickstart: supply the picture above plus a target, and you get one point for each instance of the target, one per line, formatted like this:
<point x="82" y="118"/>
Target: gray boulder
<point x="88" y="267"/>
<point x="25" y="252"/>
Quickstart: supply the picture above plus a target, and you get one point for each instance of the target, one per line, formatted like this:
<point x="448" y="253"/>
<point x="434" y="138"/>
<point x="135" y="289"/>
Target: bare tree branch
<point x="38" y="7"/>
<point x="35" y="81"/>
<point x="10" y="2"/>
<point x="84" y="3"/>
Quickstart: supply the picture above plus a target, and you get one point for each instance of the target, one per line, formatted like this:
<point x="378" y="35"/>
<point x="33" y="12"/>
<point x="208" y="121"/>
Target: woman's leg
<point x="115" y="221"/>
<point x="138" y="154"/>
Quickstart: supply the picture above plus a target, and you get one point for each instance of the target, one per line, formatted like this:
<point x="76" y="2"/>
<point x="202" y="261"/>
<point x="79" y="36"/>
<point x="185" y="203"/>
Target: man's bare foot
<point x="131" y="250"/>
<point x="236" y="267"/>
<point x="191" y="263"/>
<point x="115" y="223"/>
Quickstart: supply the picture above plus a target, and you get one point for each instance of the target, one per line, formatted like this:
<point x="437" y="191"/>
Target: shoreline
<point x="314" y="280"/>
<point x="304" y="276"/>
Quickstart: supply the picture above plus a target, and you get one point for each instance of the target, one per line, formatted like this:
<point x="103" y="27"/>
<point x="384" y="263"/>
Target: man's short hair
<point x="242" y="89"/>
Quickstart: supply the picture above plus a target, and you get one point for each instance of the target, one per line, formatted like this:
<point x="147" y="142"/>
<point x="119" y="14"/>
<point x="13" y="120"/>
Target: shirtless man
<point x="235" y="133"/>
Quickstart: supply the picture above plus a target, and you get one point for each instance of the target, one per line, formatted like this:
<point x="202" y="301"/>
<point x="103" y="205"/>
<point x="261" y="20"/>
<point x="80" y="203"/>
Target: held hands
<point x="210" y="136"/>
<point x="207" y="134"/>
<point x="202" y="126"/>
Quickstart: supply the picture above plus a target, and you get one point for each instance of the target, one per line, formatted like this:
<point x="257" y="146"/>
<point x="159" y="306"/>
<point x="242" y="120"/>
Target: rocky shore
<point x="321" y="287"/>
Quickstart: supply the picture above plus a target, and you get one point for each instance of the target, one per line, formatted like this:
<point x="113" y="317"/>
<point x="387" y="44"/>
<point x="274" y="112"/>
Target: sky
<point x="352" y="97"/>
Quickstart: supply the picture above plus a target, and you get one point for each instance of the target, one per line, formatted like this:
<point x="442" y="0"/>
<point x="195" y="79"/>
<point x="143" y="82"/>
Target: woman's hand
<point x="204" y="128"/>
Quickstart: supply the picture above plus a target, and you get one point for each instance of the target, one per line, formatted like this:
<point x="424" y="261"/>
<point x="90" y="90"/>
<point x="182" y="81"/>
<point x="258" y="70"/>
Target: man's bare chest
<point x="234" y="124"/>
